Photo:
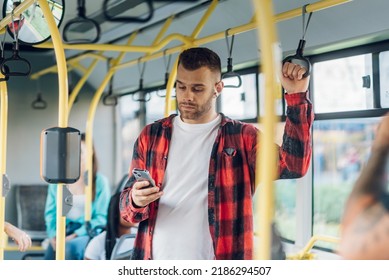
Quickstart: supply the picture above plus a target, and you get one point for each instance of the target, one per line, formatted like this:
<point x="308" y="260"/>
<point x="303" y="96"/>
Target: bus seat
<point x="117" y="252"/>
<point x="126" y="255"/>
<point x="30" y="207"/>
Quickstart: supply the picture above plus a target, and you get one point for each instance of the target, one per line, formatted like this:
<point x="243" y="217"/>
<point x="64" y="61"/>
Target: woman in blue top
<point x="76" y="234"/>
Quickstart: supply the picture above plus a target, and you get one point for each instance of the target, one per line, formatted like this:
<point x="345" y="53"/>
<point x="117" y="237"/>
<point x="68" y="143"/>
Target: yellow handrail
<point x="57" y="44"/>
<point x="122" y="48"/>
<point x="155" y="52"/>
<point x="266" y="158"/>
<point x="169" y="89"/>
<point x="305" y="254"/>
<point x="3" y="122"/>
<point x="3" y="128"/>
<point x="200" y="41"/>
<point x="173" y="72"/>
<point x="81" y="83"/>
<point x="62" y="116"/>
<point x="89" y="132"/>
<point x="92" y="112"/>
<point x="3" y="153"/>
<point x="54" y="68"/>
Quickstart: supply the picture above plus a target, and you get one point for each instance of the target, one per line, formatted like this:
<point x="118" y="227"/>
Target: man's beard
<point x="197" y="111"/>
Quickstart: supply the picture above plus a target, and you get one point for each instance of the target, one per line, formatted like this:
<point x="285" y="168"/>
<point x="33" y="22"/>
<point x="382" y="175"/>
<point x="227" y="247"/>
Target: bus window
<point x="384" y="79"/>
<point x="278" y="101"/>
<point x="341" y="148"/>
<point x="155" y="107"/>
<point x="129" y="128"/>
<point x="240" y="103"/>
<point x="285" y="208"/>
<point x="337" y="84"/>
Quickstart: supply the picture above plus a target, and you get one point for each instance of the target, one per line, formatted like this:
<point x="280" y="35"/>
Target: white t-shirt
<point x="96" y="247"/>
<point x="78" y="208"/>
<point x="182" y="228"/>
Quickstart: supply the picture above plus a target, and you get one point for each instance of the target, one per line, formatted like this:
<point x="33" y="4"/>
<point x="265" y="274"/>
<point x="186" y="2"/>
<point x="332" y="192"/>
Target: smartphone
<point x="143" y="175"/>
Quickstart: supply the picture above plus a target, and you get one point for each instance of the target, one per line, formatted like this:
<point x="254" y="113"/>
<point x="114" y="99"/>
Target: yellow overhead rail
<point x="81" y="82"/>
<point x="97" y="96"/>
<point x="320" y="5"/>
<point x="154" y="51"/>
<point x="220" y="35"/>
<point x="268" y="64"/>
<point x="71" y="61"/>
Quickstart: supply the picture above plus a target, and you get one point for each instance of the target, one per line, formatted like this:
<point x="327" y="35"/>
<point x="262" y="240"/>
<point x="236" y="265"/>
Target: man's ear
<point x="219" y="88"/>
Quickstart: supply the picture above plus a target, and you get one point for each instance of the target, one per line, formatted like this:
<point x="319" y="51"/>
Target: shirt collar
<point x="168" y="121"/>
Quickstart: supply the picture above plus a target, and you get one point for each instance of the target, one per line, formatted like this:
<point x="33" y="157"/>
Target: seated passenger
<point x="101" y="247"/>
<point x="365" y="222"/>
<point x="19" y="236"/>
<point x="76" y="233"/>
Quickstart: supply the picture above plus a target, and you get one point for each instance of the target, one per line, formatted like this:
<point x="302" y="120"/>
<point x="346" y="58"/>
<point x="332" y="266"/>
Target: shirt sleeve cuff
<point x="136" y="209"/>
<point x="297" y="98"/>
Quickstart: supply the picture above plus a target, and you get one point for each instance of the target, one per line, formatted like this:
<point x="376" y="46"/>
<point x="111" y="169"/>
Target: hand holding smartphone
<point x="143" y="175"/>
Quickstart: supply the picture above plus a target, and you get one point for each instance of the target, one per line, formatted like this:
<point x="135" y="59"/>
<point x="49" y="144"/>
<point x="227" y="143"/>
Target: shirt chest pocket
<point x="230" y="157"/>
<point x="229" y="152"/>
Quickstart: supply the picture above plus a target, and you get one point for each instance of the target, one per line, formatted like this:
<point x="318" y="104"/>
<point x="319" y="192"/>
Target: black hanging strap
<point x="109" y="99"/>
<point x="5" y="71"/>
<point x="167" y="74"/>
<point x="230" y="72"/>
<point x="15" y="59"/>
<point x="81" y="19"/>
<point x="147" y="96"/>
<point x="39" y="103"/>
<point x="167" y="66"/>
<point x="305" y="27"/>
<point x="299" y="57"/>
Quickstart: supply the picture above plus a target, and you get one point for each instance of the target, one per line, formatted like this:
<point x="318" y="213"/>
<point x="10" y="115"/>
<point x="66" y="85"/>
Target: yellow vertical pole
<point x="3" y="122"/>
<point x="169" y="88"/>
<point x="173" y="72"/>
<point x="266" y="156"/>
<point x="89" y="144"/>
<point x="204" y="19"/>
<point x="3" y="151"/>
<point x="172" y="76"/>
<point x="80" y="83"/>
<point x="62" y="116"/>
<point x="89" y="131"/>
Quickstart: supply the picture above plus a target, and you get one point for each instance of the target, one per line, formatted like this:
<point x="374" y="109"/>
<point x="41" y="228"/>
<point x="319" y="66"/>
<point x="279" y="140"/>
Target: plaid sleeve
<point x="128" y="211"/>
<point x="295" y="152"/>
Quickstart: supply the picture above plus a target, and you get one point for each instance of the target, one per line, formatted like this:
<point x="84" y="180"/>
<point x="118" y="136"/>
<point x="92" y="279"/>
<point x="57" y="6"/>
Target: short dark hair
<point x="195" y="58"/>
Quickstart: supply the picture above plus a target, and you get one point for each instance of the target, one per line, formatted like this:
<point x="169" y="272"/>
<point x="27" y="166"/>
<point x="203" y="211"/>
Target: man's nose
<point x="187" y="94"/>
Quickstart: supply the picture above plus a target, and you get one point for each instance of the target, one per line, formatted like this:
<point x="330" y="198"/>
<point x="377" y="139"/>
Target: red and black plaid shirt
<point x="231" y="179"/>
